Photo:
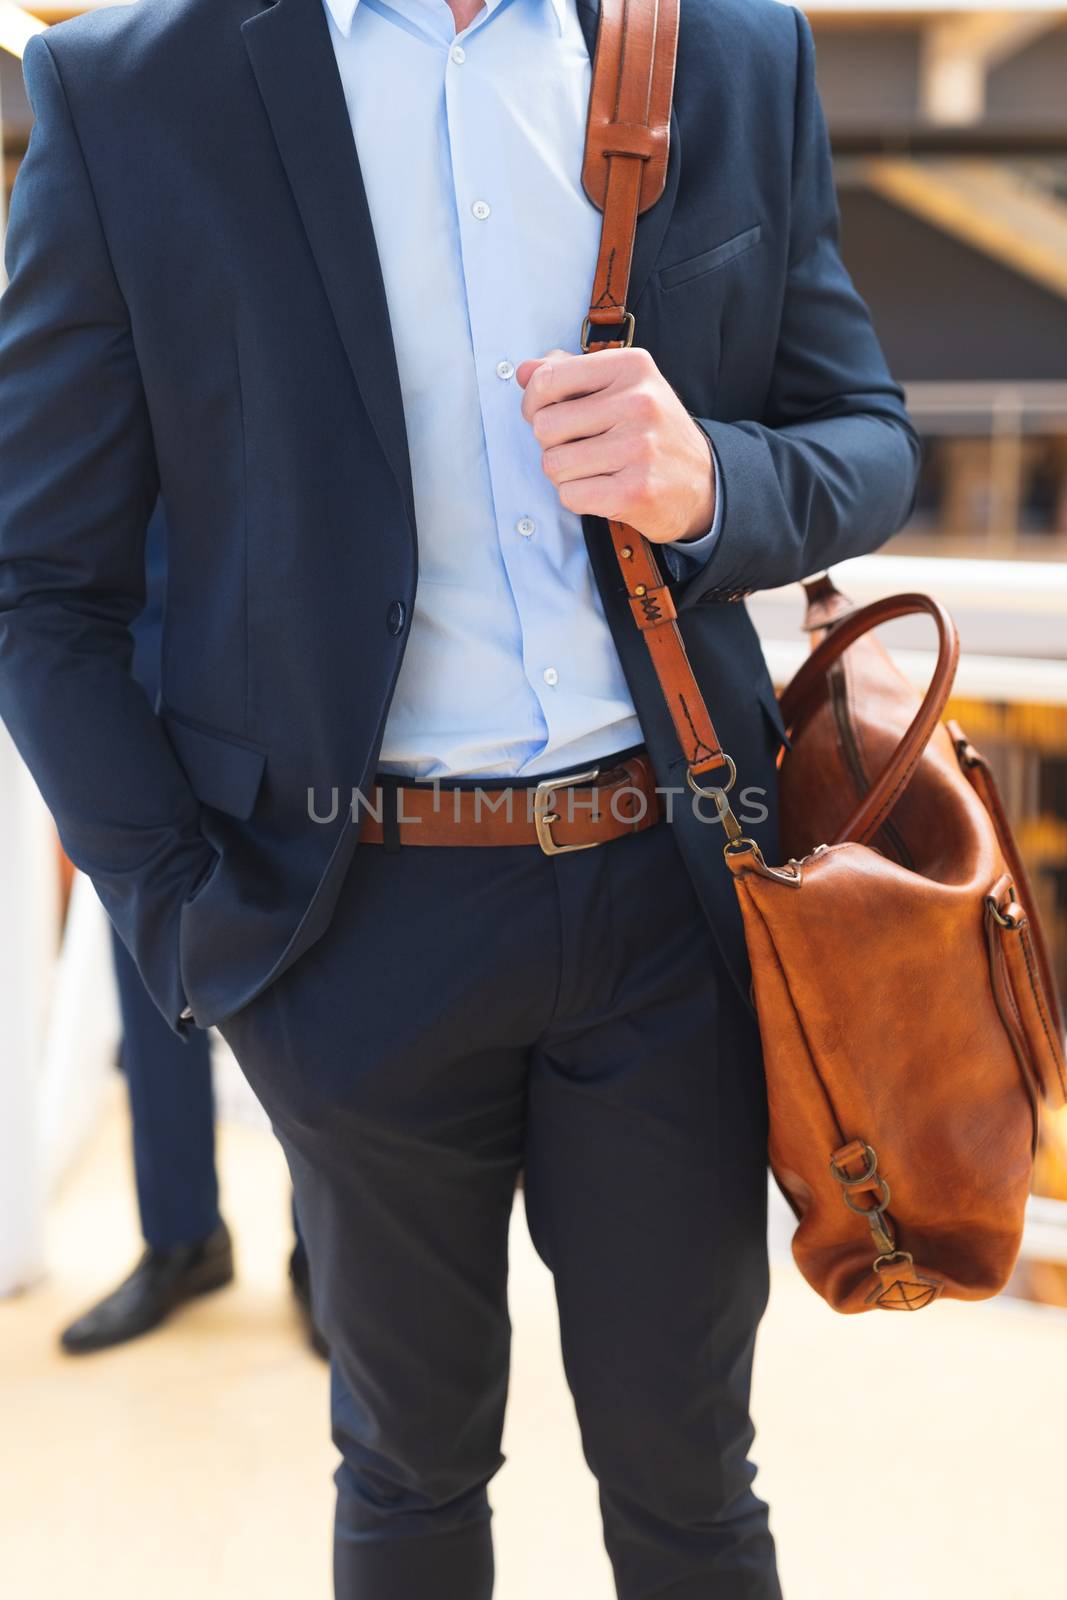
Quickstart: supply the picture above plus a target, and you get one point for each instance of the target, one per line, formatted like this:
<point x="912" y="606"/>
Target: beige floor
<point x="906" y="1457"/>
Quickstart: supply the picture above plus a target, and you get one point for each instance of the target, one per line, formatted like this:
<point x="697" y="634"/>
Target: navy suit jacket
<point x="196" y="311"/>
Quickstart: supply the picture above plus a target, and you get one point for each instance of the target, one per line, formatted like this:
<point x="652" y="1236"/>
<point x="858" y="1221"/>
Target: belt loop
<point x="390" y="787"/>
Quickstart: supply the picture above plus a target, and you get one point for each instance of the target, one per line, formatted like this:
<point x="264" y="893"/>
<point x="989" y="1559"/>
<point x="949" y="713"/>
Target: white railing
<point x="919" y="8"/>
<point x="1012" y="617"/>
<point x="1046" y="1230"/>
<point x="17" y="28"/>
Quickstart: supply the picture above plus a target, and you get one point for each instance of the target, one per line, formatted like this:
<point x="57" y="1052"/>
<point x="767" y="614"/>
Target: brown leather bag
<point x="905" y="996"/>
<point x="906" y="1004"/>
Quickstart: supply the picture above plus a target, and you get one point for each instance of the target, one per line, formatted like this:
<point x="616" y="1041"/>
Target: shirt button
<point x="551" y="677"/>
<point x="395" y="617"/>
<point x="480" y="209"/>
<point x="525" y="526"/>
<point x="505" y="370"/>
<point x="458" y="54"/>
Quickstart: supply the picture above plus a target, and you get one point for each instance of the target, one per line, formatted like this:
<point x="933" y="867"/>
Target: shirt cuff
<point x="699" y="550"/>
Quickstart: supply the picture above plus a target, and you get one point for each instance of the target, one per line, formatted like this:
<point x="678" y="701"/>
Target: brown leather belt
<point x="573" y="812"/>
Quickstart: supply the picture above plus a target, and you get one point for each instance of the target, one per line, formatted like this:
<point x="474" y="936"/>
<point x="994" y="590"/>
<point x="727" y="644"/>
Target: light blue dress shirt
<point x="471" y="151"/>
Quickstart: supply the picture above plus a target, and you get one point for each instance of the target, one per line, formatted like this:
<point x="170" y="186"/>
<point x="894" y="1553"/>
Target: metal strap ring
<point x="626" y="321"/>
<point x="872" y="1167"/>
<point x="997" y="914"/>
<point x="894" y="1258"/>
<point x="709" y="791"/>
<point x="870" y="1211"/>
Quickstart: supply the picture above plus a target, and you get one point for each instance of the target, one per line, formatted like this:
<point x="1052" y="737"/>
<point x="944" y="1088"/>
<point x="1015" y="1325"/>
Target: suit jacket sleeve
<point x="829" y="470"/>
<point x="77" y="484"/>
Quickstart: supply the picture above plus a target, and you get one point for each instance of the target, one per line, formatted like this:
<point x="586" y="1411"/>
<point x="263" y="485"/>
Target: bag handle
<point x="624" y="172"/>
<point x="886" y="791"/>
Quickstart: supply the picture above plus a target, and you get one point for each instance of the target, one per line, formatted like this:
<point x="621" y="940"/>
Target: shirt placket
<point x="523" y="498"/>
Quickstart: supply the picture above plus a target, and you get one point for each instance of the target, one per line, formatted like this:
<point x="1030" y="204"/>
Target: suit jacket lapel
<point x="289" y="47"/>
<point x="652" y="224"/>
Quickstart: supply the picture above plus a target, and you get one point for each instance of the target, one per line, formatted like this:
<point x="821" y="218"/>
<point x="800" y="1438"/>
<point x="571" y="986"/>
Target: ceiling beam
<point x="17" y="28"/>
<point x="959" y="52"/>
<point x="985" y="205"/>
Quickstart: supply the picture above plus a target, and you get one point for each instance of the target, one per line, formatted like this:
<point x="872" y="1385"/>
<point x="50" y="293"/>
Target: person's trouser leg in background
<point x="173" y="1116"/>
<point x="299" y="1248"/>
<point x="467" y="1012"/>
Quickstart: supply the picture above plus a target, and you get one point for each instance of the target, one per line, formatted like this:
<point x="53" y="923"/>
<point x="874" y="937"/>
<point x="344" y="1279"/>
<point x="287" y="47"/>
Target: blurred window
<point x="994" y="475"/>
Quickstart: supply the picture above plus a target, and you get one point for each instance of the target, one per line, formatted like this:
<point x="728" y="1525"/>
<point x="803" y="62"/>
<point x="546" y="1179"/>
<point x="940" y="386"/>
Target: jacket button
<point x="395" y="617"/>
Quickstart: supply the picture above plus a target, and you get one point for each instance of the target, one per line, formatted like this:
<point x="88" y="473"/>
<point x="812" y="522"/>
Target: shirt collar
<point x="342" y="12"/>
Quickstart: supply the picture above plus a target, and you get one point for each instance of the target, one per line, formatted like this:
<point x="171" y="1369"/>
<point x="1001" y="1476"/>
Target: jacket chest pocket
<point x="707" y="261"/>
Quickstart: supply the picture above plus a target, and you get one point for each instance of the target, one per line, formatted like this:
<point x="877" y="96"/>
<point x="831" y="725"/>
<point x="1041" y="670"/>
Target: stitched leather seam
<point x="891" y="799"/>
<point x="1001" y="984"/>
<point x="1039" y="1003"/>
<point x="608" y="298"/>
<point x="1009" y="990"/>
<point x="909" y="772"/>
<point x="980" y="776"/>
<point x="851" y="747"/>
<point x="700" y="749"/>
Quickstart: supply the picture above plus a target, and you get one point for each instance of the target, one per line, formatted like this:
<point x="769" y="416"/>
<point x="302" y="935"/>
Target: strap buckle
<point x="544" y="816"/>
<point x="627" y="322"/>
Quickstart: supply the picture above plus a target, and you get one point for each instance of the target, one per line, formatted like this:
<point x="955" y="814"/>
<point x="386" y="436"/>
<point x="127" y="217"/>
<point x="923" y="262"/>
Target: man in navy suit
<point x="313" y="270"/>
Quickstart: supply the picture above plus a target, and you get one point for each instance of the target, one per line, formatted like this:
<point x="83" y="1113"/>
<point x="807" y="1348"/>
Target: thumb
<point x="526" y="369"/>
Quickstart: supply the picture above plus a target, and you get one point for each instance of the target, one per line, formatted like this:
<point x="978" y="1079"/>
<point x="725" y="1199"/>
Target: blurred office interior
<point x="949" y="126"/>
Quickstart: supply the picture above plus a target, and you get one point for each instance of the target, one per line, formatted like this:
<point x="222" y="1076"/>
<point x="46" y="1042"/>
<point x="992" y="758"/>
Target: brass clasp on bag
<point x="875" y="1212"/>
<point x="900" y="1286"/>
<point x="718" y="792"/>
<point x="738" y="842"/>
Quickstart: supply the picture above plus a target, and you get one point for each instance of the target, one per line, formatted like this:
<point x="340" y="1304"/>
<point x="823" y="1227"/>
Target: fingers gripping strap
<point x="624" y="173"/>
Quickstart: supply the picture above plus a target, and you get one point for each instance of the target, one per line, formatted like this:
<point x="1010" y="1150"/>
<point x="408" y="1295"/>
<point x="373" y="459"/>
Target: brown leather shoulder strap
<point x="627" y="135"/>
<point x="624" y="173"/>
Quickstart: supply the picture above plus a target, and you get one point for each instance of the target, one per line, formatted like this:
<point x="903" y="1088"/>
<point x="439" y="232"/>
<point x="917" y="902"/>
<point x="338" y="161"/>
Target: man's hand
<point x="617" y="442"/>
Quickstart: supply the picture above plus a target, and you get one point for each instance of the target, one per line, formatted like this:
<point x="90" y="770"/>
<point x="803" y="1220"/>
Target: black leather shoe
<point x="161" y="1281"/>
<point x="300" y="1278"/>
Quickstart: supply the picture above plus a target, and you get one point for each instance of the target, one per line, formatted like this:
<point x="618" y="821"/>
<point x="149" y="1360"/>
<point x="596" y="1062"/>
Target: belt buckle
<point x="544" y="816"/>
